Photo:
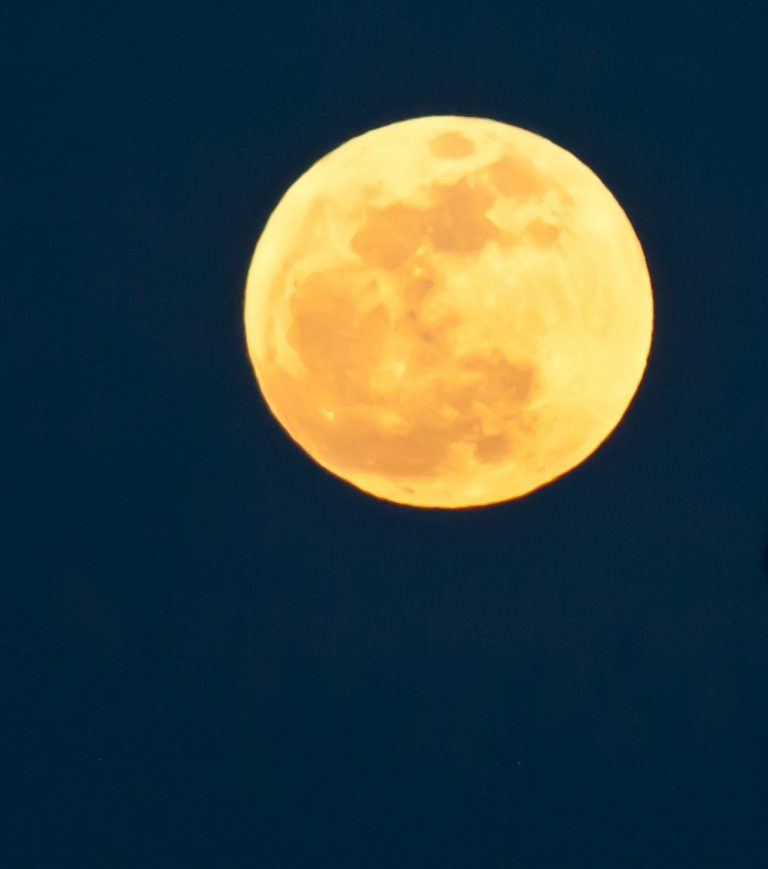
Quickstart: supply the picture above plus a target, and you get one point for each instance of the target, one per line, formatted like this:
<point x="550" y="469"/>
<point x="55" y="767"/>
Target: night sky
<point x="219" y="654"/>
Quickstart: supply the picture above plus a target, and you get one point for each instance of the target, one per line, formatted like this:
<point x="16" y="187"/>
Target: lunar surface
<point x="448" y="312"/>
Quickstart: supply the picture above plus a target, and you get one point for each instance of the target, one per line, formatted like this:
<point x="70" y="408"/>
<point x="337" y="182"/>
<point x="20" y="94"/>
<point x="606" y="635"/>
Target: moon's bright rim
<point x="448" y="311"/>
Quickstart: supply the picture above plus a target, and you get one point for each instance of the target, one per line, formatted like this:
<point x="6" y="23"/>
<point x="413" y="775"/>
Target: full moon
<point x="448" y="312"/>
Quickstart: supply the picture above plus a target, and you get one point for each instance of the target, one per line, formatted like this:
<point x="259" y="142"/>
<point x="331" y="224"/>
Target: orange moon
<point x="448" y="312"/>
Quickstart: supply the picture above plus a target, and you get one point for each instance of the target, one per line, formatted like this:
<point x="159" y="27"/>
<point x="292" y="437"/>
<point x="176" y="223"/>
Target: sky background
<point x="218" y="654"/>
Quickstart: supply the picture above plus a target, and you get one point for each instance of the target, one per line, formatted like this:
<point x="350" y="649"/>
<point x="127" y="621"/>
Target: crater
<point x="415" y="290"/>
<point x="512" y="175"/>
<point x="503" y="385"/>
<point x="457" y="221"/>
<point x="451" y="145"/>
<point x="338" y="337"/>
<point x="389" y="235"/>
<point x="544" y="234"/>
<point x="490" y="449"/>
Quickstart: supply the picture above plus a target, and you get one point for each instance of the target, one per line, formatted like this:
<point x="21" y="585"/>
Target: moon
<point x="448" y="312"/>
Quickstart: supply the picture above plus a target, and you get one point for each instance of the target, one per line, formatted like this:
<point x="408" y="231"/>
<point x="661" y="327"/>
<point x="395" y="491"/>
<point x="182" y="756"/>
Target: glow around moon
<point x="448" y="312"/>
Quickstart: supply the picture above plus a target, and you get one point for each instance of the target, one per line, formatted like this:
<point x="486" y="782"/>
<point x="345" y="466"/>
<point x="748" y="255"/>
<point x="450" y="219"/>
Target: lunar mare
<point x="448" y="312"/>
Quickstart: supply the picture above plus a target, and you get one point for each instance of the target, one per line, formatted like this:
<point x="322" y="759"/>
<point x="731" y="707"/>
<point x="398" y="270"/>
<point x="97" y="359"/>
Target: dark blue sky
<point x="224" y="656"/>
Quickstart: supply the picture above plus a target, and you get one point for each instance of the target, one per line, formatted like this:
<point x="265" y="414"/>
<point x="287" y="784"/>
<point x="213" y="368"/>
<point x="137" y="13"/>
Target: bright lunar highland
<point x="448" y="311"/>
